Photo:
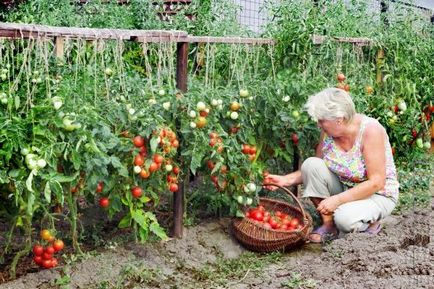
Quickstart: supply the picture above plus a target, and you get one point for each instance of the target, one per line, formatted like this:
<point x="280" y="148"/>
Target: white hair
<point x="330" y="104"/>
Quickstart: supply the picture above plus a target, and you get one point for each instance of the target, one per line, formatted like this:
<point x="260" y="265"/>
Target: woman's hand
<point x="279" y="180"/>
<point x="329" y="205"/>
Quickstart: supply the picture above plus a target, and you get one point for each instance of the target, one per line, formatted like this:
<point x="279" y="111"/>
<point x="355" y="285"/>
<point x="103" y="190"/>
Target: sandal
<point x="326" y="234"/>
<point x="373" y="230"/>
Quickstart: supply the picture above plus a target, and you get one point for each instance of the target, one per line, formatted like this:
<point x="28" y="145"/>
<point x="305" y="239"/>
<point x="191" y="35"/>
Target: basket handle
<point x="295" y="199"/>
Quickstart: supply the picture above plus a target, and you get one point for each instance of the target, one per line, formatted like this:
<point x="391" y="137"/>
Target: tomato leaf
<point x="58" y="191"/>
<point x="239" y="214"/>
<point x="17" y="101"/>
<point x="30" y="202"/>
<point x="29" y="181"/>
<point x="118" y="165"/>
<point x="139" y="218"/>
<point x="154" y="144"/>
<point x="47" y="192"/>
<point x="158" y="231"/>
<point x="125" y="222"/>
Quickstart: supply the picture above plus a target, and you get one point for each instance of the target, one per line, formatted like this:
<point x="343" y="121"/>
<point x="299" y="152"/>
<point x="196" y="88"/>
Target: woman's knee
<point x="345" y="220"/>
<point x="312" y="164"/>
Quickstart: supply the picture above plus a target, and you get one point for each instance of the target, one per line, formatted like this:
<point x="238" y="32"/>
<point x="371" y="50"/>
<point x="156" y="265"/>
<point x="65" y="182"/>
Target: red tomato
<point x="38" y="260"/>
<point x="49" y="250"/>
<point x="175" y="143"/>
<point x="340" y="77"/>
<point x="224" y="169"/>
<point x="267" y="226"/>
<point x="143" y="151"/>
<point x="58" y="245"/>
<point x="136" y="192"/>
<point x="294" y="223"/>
<point x="47" y="264"/>
<point x="212" y="142"/>
<point x="144" y="174"/>
<point x="138" y="141"/>
<point x="47" y="256"/>
<point x="171" y="179"/>
<point x="245" y="149"/>
<point x="99" y="187"/>
<point x="173" y="188"/>
<point x="203" y="113"/>
<point x="252" y="158"/>
<point x="175" y="170"/>
<point x="294" y="138"/>
<point x="273" y="223"/>
<point x="104" y="202"/>
<point x="278" y="214"/>
<point x="53" y="262"/>
<point x="214" y="179"/>
<point x="284" y="227"/>
<point x="257" y="215"/>
<point x="414" y="133"/>
<point x="213" y="135"/>
<point x="220" y="148"/>
<point x="210" y="164"/>
<point x="252" y="150"/>
<point x="38" y="250"/>
<point x="153" y="167"/>
<point x="139" y="160"/>
<point x="158" y="159"/>
<point x="261" y="208"/>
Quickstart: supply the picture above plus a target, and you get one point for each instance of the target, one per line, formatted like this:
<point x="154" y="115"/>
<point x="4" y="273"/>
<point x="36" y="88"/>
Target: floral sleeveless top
<point x="350" y="166"/>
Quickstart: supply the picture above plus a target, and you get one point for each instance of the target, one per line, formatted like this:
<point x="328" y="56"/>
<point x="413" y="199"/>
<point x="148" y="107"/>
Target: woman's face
<point x="332" y="127"/>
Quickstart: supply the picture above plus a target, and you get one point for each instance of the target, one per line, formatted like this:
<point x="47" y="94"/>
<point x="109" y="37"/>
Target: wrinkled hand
<point x="329" y="205"/>
<point x="275" y="179"/>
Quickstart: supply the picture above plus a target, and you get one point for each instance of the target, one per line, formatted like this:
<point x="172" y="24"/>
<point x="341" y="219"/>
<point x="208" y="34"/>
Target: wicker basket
<point x="255" y="237"/>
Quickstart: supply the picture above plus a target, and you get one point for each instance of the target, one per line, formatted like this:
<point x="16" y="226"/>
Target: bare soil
<point x="401" y="256"/>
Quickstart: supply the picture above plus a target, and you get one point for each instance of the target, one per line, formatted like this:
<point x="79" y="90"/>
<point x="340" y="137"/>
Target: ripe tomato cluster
<point x="216" y="141"/>
<point x="44" y="256"/>
<point x="168" y="143"/>
<point x="273" y="219"/>
<point x="341" y="84"/>
<point x="249" y="150"/>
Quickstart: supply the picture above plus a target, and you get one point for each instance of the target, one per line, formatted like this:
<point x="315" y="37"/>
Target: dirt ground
<point x="401" y="256"/>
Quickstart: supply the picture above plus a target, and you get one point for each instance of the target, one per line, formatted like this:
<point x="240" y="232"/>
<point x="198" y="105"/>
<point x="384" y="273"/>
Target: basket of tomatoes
<point x="273" y="225"/>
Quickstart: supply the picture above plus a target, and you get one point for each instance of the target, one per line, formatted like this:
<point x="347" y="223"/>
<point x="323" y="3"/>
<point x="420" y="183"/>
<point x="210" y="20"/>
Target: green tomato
<point x="240" y="200"/>
<point x="249" y="201"/>
<point x="419" y="143"/>
<point x="244" y="93"/>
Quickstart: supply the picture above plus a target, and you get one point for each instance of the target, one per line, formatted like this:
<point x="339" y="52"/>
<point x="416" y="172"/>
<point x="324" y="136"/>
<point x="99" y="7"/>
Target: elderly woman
<point x="352" y="180"/>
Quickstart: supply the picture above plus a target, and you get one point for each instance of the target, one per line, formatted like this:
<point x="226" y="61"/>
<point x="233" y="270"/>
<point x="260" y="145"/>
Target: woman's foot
<point x="374" y="228"/>
<point x="323" y="234"/>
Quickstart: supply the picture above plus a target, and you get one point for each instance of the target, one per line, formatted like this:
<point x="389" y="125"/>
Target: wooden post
<point x="181" y="84"/>
<point x="296" y="167"/>
<point x="380" y="64"/>
<point x="59" y="47"/>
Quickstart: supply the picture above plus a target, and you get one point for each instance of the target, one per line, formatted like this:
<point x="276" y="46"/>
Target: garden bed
<point x="208" y="257"/>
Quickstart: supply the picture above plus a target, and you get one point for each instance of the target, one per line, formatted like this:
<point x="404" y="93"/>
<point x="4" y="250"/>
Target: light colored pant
<point x="320" y="182"/>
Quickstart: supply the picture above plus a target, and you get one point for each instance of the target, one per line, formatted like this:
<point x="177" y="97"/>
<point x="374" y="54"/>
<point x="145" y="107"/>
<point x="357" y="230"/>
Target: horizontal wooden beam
<point x="320" y="39"/>
<point x="18" y="30"/>
<point x="230" y="40"/>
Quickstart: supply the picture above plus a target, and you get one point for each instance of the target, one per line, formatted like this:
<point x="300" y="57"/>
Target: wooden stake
<point x="380" y="64"/>
<point x="59" y="47"/>
<point x="181" y="84"/>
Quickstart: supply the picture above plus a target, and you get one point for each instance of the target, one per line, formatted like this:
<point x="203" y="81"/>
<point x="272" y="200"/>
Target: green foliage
<point x="78" y="114"/>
